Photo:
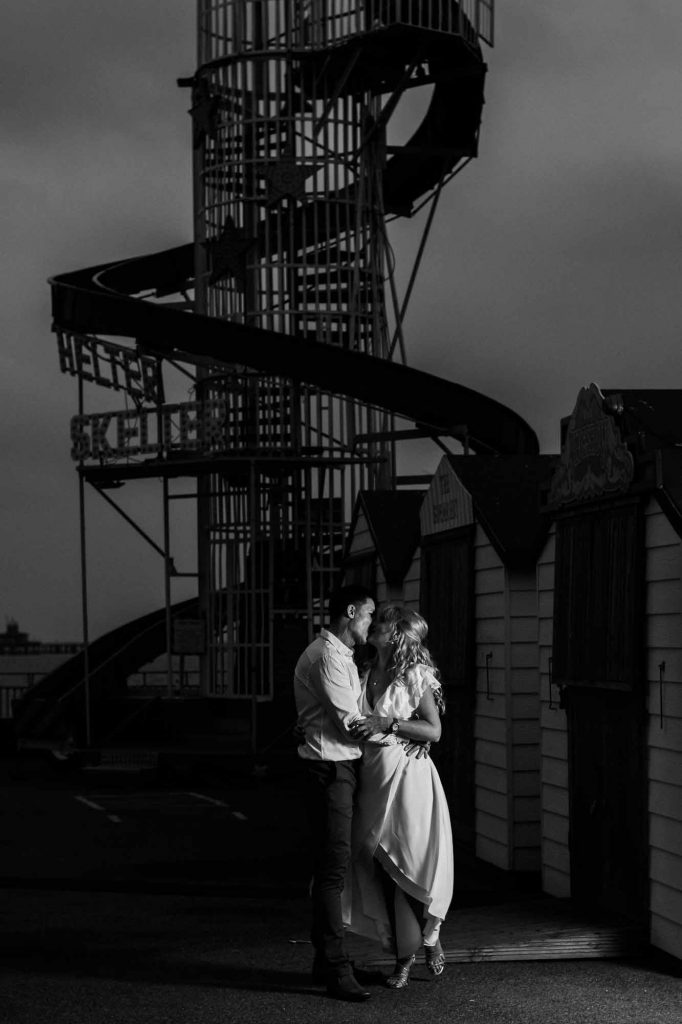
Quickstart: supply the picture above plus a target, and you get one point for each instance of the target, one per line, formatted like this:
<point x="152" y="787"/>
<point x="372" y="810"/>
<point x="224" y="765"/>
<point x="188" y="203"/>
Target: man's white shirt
<point x="327" y="691"/>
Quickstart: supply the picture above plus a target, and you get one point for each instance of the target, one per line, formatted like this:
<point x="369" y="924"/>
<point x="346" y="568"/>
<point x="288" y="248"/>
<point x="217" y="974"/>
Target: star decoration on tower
<point x="227" y="253"/>
<point x="204" y="112"/>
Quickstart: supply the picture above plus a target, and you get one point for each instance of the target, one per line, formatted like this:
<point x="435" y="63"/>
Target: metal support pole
<point x="252" y="583"/>
<point x="84" y="606"/>
<point x="398" y="336"/>
<point x="167" y="588"/>
<point x="84" y="582"/>
<point x="309" y="552"/>
<point x="204" y="482"/>
<point x="130" y="520"/>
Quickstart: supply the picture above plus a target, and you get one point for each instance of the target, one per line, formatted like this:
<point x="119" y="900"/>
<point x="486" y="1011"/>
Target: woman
<point x="402" y="873"/>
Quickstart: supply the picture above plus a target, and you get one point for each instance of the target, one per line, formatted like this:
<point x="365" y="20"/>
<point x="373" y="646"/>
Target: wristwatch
<point x="395" y="725"/>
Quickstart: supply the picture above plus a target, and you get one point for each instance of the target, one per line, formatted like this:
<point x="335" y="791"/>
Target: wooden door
<point x="447" y="603"/>
<point x="598" y="658"/>
<point x="608" y="839"/>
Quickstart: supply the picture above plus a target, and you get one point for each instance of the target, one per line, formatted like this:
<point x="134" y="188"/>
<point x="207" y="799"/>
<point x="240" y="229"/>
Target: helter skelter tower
<point x="277" y="314"/>
<point x="294" y="182"/>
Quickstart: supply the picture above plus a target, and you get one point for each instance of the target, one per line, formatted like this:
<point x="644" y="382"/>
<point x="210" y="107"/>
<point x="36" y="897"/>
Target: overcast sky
<point x="555" y="259"/>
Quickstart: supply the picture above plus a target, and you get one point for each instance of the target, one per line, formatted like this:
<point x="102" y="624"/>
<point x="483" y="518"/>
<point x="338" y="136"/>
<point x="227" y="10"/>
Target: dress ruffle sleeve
<point x="421" y="679"/>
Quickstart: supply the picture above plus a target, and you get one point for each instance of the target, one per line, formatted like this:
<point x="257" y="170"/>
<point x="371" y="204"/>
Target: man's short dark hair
<point x="339" y="599"/>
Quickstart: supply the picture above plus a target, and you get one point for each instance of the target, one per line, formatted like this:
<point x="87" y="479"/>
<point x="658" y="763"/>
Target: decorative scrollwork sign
<point x="594" y="460"/>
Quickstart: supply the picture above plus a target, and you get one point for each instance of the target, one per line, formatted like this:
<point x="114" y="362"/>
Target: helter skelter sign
<point x="110" y="365"/>
<point x="152" y="428"/>
<point x="189" y="426"/>
<point x="254" y="418"/>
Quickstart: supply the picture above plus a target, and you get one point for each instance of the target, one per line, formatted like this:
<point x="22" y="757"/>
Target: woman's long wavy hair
<point x="410" y="630"/>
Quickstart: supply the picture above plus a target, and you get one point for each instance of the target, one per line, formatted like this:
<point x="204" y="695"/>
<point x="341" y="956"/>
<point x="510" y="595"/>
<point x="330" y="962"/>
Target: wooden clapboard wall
<point x="493" y="785"/>
<point x="664" y="736"/>
<point x="362" y="550"/>
<point x="524" y="716"/>
<point x="556" y="863"/>
<point x="507" y="712"/>
<point x="361" y="544"/>
<point x="506" y="717"/>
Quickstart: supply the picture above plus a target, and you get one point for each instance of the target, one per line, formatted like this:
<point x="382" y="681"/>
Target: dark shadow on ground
<point x="74" y="953"/>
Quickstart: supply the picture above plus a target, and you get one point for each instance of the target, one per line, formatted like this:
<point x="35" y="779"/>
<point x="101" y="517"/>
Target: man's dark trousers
<point x="330" y="788"/>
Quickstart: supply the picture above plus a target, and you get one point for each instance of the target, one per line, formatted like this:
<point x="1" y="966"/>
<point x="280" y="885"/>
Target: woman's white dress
<point x="402" y="821"/>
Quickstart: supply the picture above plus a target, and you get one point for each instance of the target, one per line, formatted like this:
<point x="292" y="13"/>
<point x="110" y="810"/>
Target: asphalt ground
<point x="132" y="903"/>
<point x="240" y="834"/>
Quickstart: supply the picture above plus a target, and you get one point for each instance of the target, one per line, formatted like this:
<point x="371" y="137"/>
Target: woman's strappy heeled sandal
<point x="435" y="958"/>
<point x="401" y="975"/>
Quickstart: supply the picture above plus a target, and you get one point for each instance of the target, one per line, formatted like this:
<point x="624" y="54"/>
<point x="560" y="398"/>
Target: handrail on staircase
<point x="108" y="660"/>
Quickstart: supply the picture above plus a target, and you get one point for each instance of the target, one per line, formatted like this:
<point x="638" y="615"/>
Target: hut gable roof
<point x="651" y="416"/>
<point x="393" y="520"/>
<point x="507" y="496"/>
<point x="650" y="421"/>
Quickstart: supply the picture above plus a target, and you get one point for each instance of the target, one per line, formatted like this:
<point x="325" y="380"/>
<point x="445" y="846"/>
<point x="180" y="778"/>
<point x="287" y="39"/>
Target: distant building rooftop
<point x="13" y="637"/>
<point x="14" y="641"/>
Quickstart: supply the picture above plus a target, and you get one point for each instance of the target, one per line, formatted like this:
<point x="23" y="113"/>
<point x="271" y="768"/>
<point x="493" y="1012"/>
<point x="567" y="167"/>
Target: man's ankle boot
<point x="345" y="986"/>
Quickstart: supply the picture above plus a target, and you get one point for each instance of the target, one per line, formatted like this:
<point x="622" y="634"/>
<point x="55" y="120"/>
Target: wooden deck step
<point x="537" y="928"/>
<point x="125" y="760"/>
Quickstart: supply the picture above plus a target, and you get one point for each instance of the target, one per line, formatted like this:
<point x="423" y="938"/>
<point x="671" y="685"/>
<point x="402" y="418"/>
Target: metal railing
<point x="10" y="691"/>
<point x="37" y="647"/>
<point x="259" y="26"/>
<point x="155" y="681"/>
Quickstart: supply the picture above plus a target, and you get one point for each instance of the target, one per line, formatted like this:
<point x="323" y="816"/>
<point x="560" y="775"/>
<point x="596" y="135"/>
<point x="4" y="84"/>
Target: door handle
<point x="488" y="659"/>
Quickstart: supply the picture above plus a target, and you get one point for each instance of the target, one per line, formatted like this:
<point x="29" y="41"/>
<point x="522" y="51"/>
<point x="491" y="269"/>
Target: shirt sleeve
<point x="332" y="684"/>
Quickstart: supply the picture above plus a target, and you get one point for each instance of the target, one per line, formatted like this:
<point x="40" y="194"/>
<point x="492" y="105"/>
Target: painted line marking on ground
<point x="219" y="803"/>
<point x="98" y="807"/>
<point x="89" y="803"/>
<point x="210" y="799"/>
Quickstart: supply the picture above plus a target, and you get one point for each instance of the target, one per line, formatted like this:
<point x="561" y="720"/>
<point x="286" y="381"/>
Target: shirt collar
<point x="336" y="643"/>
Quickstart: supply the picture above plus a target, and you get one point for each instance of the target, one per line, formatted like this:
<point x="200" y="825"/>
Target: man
<point x="327" y="690"/>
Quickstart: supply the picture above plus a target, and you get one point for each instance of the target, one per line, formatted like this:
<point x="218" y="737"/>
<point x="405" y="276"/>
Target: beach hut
<point x="382" y="542"/>
<point x="610" y="593"/>
<point x="481" y="531"/>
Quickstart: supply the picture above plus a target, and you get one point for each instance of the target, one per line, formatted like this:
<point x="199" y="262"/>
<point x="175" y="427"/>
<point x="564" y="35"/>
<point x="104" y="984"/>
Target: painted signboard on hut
<point x="447" y="504"/>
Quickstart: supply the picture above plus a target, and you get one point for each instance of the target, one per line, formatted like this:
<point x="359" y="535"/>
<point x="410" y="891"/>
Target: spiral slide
<point x="99" y="299"/>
